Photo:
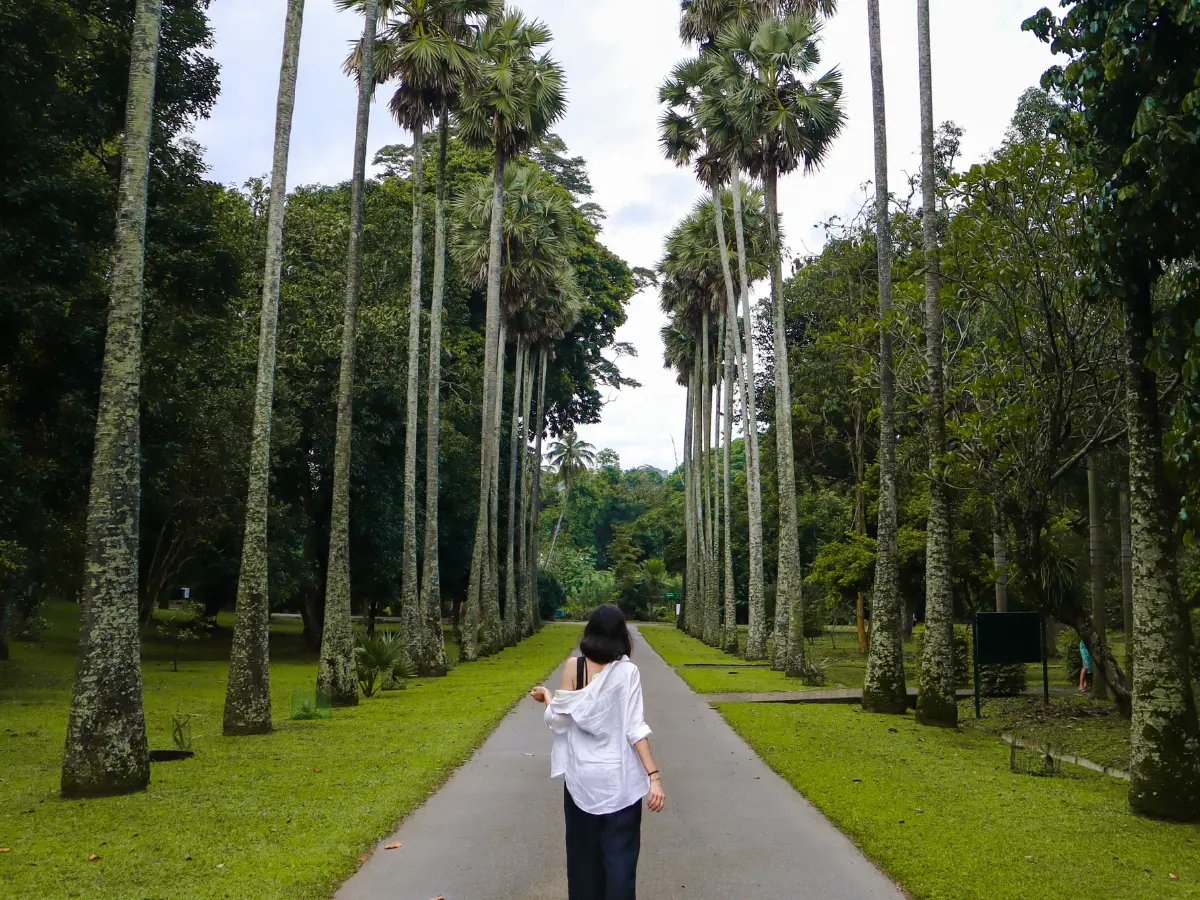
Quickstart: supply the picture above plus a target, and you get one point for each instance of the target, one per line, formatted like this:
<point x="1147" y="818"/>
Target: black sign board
<point x="1009" y="638"/>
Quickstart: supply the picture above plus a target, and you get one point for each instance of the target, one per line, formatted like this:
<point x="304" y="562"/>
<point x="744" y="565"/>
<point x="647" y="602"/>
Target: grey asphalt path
<point x="732" y="827"/>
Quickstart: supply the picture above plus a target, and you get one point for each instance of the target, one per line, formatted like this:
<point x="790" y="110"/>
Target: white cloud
<point x="982" y="63"/>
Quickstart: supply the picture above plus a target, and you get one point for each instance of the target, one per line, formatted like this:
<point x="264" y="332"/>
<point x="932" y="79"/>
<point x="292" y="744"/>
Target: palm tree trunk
<point x="789" y="599"/>
<point x="248" y="691"/>
<point x="410" y="611"/>
<point x="756" y="638"/>
<point x="336" y="671"/>
<point x="718" y="488"/>
<point x="535" y="530"/>
<point x="730" y="640"/>
<point x="106" y="751"/>
<point x="493" y="627"/>
<point x="476" y="589"/>
<point x="710" y="631"/>
<point x="1126" y="574"/>
<point x="432" y="648"/>
<point x="1165" y="735"/>
<point x="860" y="511"/>
<point x="701" y="528"/>
<point x="937" y="703"/>
<point x="689" y="526"/>
<point x="523" y="573"/>
<point x="511" y="635"/>
<point x="1096" y="559"/>
<point x="883" y="686"/>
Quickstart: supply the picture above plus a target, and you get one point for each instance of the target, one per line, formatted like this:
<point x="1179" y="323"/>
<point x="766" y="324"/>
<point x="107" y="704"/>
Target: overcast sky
<point x="616" y="52"/>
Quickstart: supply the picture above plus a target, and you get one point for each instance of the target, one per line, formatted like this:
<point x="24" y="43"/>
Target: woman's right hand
<point x="658" y="797"/>
<point x="541" y="694"/>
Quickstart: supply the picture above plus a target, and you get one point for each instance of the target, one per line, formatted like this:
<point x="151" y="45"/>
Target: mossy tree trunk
<point x="789" y="597"/>
<point x="1165" y="734"/>
<point x="493" y="627"/>
<point x="410" y="603"/>
<point x="1126" y="572"/>
<point x="523" y="573"/>
<point x="106" y="750"/>
<point x="336" y="670"/>
<point x="937" y="703"/>
<point x="689" y="526"/>
<point x="729" y="639"/>
<point x="1096" y="563"/>
<point x="884" y="689"/>
<point x="756" y="637"/>
<point x="510" y="622"/>
<point x="248" y="692"/>
<point x="535" y="510"/>
<point x="432" y="649"/>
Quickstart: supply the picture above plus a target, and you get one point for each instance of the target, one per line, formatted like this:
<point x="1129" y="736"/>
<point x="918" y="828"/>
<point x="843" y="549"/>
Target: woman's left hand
<point x="658" y="797"/>
<point x="541" y="694"/>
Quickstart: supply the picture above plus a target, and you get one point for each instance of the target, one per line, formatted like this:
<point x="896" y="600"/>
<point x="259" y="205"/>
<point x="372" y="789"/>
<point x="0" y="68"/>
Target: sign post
<point x="1009" y="638"/>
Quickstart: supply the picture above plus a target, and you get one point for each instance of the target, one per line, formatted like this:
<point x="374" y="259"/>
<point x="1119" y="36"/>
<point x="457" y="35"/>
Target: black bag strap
<point x="580" y="672"/>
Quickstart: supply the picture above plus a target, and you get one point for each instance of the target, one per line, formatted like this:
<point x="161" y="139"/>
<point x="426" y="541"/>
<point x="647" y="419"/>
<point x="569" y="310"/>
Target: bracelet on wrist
<point x="652" y="774"/>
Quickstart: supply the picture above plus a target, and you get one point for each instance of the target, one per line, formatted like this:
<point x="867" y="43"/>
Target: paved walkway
<point x="732" y="828"/>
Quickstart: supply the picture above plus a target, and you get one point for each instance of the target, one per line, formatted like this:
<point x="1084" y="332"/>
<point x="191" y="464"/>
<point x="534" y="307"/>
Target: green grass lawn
<point x="1076" y="725"/>
<point x="836" y="652"/>
<point x="280" y="816"/>
<point x="708" y="670"/>
<point x="943" y="815"/>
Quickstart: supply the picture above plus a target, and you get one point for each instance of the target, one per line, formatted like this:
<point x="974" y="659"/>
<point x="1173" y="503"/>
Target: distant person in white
<point x="602" y="750"/>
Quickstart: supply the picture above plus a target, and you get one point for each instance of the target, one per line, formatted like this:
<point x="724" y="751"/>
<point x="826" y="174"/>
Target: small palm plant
<point x="380" y="659"/>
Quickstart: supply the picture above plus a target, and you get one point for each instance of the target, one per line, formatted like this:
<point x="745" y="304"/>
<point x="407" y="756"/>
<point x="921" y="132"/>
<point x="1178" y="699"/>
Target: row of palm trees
<point x="751" y="103"/>
<point x="484" y="68"/>
<point x="747" y="105"/>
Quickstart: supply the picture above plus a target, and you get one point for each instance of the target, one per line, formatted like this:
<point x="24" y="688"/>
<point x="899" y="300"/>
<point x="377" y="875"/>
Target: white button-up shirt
<point x="595" y="729"/>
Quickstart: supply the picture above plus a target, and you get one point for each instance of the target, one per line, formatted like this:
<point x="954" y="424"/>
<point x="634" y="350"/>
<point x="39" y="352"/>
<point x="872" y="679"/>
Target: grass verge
<point x="942" y="814"/>
<point x="1076" y="725"/>
<point x="285" y="815"/>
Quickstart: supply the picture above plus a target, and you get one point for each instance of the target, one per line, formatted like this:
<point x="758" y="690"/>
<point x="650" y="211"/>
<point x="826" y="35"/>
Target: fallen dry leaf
<point x="5" y="849"/>
<point x="528" y="754"/>
<point x="94" y="858"/>
<point x="1174" y="877"/>
<point x="363" y="858"/>
<point x="1030" y="858"/>
<point x="315" y="769"/>
<point x="220" y="865"/>
<point x="395" y="846"/>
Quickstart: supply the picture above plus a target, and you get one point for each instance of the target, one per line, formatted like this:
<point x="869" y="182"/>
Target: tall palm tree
<point x="248" y="693"/>
<point x="883" y="687"/>
<point x="780" y="122"/>
<point x="511" y="103"/>
<point x="336" y="674"/>
<point x="570" y="457"/>
<point x="106" y="752"/>
<point x="937" y="703"/>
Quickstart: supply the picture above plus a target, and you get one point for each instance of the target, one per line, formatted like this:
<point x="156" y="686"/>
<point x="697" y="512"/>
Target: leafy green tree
<point x="106" y="751"/>
<point x="1132" y="74"/>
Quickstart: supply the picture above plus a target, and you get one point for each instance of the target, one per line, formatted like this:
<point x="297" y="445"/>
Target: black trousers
<point x="602" y="852"/>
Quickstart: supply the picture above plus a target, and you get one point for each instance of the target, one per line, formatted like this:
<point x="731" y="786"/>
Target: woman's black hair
<point x="606" y="637"/>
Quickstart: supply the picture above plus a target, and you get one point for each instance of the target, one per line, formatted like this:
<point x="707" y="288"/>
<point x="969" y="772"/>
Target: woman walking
<point x="602" y="751"/>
